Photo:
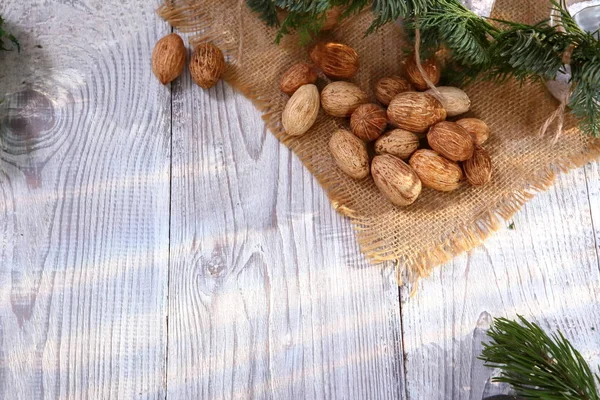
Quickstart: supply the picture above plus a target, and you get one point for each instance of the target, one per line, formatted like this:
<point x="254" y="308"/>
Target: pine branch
<point x="478" y="49"/>
<point x="536" y="365"/>
<point x="4" y="35"/>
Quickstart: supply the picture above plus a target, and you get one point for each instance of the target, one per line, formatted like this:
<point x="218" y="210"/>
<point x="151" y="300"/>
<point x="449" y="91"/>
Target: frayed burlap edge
<point x="420" y="265"/>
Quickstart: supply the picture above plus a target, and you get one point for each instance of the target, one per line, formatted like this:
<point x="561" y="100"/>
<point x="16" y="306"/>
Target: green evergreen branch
<point x="478" y="48"/>
<point x="6" y="36"/>
<point x="536" y="365"/>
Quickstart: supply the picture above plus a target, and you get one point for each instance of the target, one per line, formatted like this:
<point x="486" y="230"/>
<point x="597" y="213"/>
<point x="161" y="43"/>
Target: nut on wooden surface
<point x="301" y="110"/>
<point x="207" y="65"/>
<point x="297" y="75"/>
<point x="340" y="99"/>
<point x="415" y="111"/>
<point x="435" y="171"/>
<point x="397" y="142"/>
<point x="478" y="169"/>
<point x="431" y="67"/>
<point x="387" y="88"/>
<point x="451" y="141"/>
<point x="336" y="60"/>
<point x="395" y="179"/>
<point x="168" y="58"/>
<point x="478" y="129"/>
<point x="368" y="121"/>
<point x="454" y="100"/>
<point x="350" y="154"/>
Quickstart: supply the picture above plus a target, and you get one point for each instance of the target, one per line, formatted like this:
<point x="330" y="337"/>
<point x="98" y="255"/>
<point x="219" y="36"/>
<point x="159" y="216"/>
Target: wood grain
<point x="84" y="200"/>
<point x="269" y="296"/>
<point x="545" y="269"/>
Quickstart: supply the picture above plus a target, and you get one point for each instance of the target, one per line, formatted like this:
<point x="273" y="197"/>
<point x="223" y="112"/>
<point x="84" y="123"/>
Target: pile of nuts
<point x="168" y="60"/>
<point x="403" y="163"/>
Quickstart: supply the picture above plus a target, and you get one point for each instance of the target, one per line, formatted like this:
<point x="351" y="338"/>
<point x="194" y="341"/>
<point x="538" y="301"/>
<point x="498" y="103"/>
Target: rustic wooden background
<point x="158" y="242"/>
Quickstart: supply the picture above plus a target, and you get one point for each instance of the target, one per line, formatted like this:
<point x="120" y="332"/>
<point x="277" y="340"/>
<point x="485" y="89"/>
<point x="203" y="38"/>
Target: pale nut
<point x="395" y="179"/>
<point x="451" y="141"/>
<point x="368" y="121"/>
<point x="454" y="100"/>
<point x="168" y="58"/>
<point x="340" y="99"/>
<point x="336" y="60"/>
<point x="435" y="171"/>
<point x="297" y="75"/>
<point x="350" y="154"/>
<point x="415" y="111"/>
<point x="478" y="169"/>
<point x="431" y="68"/>
<point x="207" y="65"/>
<point x="477" y="128"/>
<point x="301" y="110"/>
<point x="387" y="88"/>
<point x="331" y="18"/>
<point x="397" y="142"/>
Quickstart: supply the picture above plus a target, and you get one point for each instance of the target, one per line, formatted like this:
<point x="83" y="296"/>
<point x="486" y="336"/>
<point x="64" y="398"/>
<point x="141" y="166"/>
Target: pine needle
<point x="478" y="48"/>
<point x="536" y="365"/>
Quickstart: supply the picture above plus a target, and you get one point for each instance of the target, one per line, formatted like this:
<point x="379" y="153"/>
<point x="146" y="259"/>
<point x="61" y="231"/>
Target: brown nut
<point x="350" y="154"/>
<point x="207" y="65"/>
<point x="451" y="141"/>
<point x="336" y="60"/>
<point x="168" y="58"/>
<point x="395" y="179"/>
<point x="297" y="75"/>
<point x="331" y="18"/>
<point x="454" y="100"/>
<point x="431" y="67"/>
<point x="387" y="88"/>
<point x="477" y="128"/>
<point x="435" y="171"/>
<point x="368" y="121"/>
<point x="398" y="142"/>
<point x="340" y="99"/>
<point x="478" y="169"/>
<point x="415" y="111"/>
<point x="301" y="110"/>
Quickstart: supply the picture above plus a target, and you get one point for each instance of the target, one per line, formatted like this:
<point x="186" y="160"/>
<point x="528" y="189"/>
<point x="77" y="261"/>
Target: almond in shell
<point x="340" y="99"/>
<point x="478" y="169"/>
<point x="395" y="179"/>
<point x="336" y="60"/>
<point x="387" y="88"/>
<point x="431" y="67"/>
<point x="349" y="153"/>
<point x="301" y="110"/>
<point x="397" y="142"/>
<point x="451" y="141"/>
<point x="415" y="111"/>
<point x="477" y="128"/>
<point x="368" y="121"/>
<point x="207" y="65"/>
<point x="168" y="58"/>
<point x="435" y="171"/>
<point x="297" y="75"/>
<point x="454" y="100"/>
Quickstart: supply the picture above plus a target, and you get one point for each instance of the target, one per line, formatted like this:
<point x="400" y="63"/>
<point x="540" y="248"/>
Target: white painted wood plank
<point x="269" y="297"/>
<point x="84" y="203"/>
<point x="592" y="175"/>
<point x="545" y="269"/>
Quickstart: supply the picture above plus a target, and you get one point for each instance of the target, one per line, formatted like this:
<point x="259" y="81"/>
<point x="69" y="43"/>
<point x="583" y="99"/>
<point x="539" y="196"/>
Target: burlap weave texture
<point x="438" y="225"/>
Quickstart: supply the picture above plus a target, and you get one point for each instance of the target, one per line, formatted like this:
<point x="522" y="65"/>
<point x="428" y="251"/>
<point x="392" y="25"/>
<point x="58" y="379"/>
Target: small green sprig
<point x="536" y="365"/>
<point x="7" y="40"/>
<point x="480" y="48"/>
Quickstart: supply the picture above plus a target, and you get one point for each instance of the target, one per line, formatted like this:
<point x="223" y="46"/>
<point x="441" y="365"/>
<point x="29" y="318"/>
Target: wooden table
<point x="158" y="242"/>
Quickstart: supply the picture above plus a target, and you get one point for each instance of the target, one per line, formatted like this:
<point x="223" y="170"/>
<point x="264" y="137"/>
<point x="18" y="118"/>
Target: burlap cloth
<point x="438" y="225"/>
